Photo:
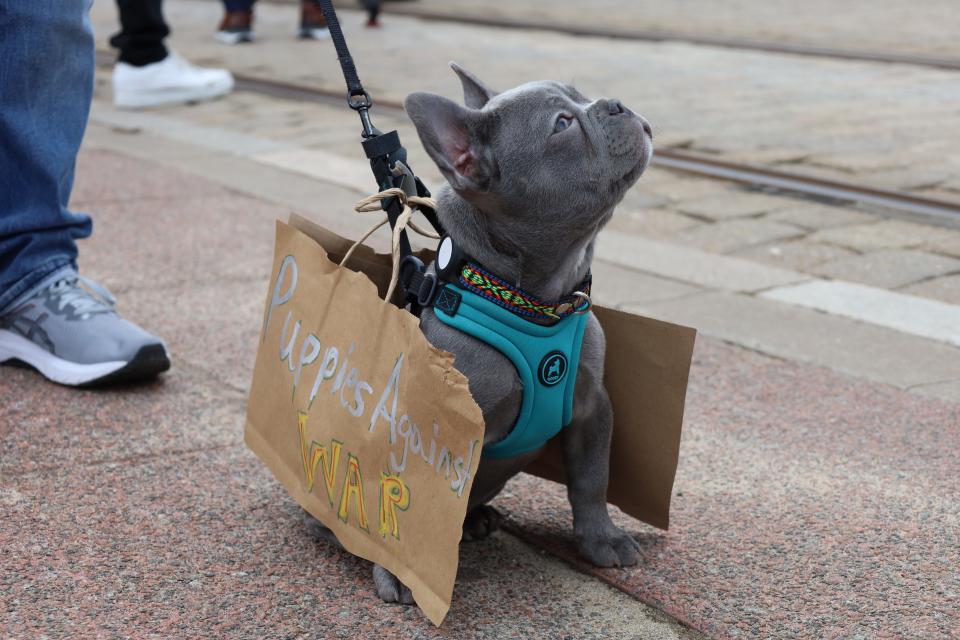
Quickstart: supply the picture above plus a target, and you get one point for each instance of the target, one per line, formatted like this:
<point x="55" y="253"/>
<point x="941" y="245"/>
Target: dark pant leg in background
<point x="142" y="31"/>
<point x="238" y="5"/>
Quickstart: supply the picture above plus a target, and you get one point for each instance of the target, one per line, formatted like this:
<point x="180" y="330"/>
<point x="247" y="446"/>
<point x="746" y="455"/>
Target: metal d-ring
<point x="585" y="298"/>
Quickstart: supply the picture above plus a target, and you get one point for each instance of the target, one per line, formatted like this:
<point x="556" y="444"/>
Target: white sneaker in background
<point x="313" y="33"/>
<point x="173" y="80"/>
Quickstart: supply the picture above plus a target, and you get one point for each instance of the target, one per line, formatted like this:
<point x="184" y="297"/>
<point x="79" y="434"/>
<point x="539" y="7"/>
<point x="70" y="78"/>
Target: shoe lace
<point x="91" y="298"/>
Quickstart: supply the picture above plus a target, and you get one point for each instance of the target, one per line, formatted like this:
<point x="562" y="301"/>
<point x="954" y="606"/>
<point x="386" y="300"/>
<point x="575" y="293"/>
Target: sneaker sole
<point x="148" y="362"/>
<point x="227" y="37"/>
<point x="143" y="100"/>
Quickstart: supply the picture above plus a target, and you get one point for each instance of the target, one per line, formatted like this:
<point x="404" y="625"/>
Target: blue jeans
<point x="46" y="83"/>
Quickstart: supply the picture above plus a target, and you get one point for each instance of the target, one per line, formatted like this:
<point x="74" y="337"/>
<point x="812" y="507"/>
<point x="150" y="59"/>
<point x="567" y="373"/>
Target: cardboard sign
<point x="374" y="432"/>
<point x="367" y="425"/>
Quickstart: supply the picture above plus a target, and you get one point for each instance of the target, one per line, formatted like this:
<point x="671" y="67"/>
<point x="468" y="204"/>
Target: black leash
<point x="388" y="160"/>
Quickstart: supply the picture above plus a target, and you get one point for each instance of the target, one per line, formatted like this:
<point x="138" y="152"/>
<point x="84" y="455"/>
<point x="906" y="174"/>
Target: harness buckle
<point x="588" y="303"/>
<point x="427" y="290"/>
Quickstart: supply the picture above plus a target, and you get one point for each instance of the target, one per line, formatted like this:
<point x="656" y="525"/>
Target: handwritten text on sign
<point x="328" y="370"/>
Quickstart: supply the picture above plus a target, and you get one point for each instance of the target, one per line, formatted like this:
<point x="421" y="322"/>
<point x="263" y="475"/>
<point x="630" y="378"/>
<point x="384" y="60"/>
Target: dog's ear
<point x="452" y="136"/>
<point x="475" y="93"/>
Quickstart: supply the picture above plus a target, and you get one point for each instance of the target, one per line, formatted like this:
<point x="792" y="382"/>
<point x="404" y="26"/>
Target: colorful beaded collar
<point x="483" y="283"/>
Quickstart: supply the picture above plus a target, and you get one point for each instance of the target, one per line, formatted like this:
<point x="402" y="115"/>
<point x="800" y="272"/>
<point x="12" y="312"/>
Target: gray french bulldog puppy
<point x="533" y="175"/>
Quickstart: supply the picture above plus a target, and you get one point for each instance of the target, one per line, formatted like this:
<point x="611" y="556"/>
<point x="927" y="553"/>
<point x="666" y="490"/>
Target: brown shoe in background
<point x="313" y="26"/>
<point x="236" y="27"/>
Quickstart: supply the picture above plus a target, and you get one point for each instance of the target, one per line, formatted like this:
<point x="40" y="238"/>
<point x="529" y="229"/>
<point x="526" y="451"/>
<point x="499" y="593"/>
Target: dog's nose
<point x="615" y="107"/>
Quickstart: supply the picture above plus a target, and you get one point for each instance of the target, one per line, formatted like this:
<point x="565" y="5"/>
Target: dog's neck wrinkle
<point x="546" y="272"/>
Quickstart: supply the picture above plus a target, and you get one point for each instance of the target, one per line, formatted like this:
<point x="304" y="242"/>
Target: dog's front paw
<point x="609" y="547"/>
<point x="389" y="587"/>
<point x="480" y="522"/>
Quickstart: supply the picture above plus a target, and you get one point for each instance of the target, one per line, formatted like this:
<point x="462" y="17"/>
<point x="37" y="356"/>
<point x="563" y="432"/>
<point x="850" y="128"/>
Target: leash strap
<point x="355" y="89"/>
<point x="388" y="161"/>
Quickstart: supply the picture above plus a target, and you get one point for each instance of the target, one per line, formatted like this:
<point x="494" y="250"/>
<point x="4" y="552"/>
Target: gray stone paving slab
<point x="858" y="161"/>
<point x="691" y="265"/>
<point x="642" y="197"/>
<point x="804" y="335"/>
<point x="322" y="165"/>
<point x="653" y="223"/>
<point x="815" y="216"/>
<point x="889" y="269"/>
<point x="946" y="242"/>
<point x="917" y="316"/>
<point x="730" y="235"/>
<point x="799" y="255"/>
<point x="733" y="205"/>
<point x="209" y="137"/>
<point x="614" y="286"/>
<point x="876" y="235"/>
<point x="768" y="156"/>
<point x="164" y="150"/>
<point x="679" y="187"/>
<point x="916" y="176"/>
<point x="946" y="289"/>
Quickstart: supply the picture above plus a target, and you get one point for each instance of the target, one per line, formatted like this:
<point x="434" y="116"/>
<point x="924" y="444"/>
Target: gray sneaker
<point x="69" y="332"/>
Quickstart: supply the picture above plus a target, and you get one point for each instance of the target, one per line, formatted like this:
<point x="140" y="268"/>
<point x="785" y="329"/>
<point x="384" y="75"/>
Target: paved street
<point x="891" y="26"/>
<point x="816" y="494"/>
<point x="846" y="118"/>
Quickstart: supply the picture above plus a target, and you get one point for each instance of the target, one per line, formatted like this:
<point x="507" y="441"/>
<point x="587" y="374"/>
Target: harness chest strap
<point x="546" y="357"/>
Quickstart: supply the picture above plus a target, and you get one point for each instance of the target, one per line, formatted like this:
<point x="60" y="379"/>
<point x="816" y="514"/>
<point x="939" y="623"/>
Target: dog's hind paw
<point x="480" y="522"/>
<point x="610" y="547"/>
<point x="389" y="587"/>
<point x="317" y="529"/>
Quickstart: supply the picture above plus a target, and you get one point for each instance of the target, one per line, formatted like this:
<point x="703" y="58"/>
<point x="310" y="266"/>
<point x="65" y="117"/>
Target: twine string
<point x="404" y="220"/>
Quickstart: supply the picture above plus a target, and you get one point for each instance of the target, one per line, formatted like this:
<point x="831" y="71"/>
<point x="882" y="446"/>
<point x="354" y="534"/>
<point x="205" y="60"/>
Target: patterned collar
<point x="474" y="278"/>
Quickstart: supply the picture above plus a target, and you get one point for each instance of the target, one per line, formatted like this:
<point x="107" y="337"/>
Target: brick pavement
<point x="139" y="512"/>
<point x="802" y="494"/>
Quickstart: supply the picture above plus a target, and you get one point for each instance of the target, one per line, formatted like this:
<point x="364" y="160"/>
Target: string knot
<point x="374" y="203"/>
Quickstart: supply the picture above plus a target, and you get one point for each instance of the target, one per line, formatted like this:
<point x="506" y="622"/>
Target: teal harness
<point x="546" y="356"/>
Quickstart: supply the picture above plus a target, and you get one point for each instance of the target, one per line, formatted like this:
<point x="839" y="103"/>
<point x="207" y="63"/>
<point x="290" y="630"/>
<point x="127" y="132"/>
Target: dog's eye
<point x="562" y="123"/>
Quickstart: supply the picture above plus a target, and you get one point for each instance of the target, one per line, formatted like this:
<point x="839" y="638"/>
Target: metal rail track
<point x="669" y="158"/>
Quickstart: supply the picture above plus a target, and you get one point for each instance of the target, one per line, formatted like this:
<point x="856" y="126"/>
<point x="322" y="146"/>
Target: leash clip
<point x="588" y="303"/>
